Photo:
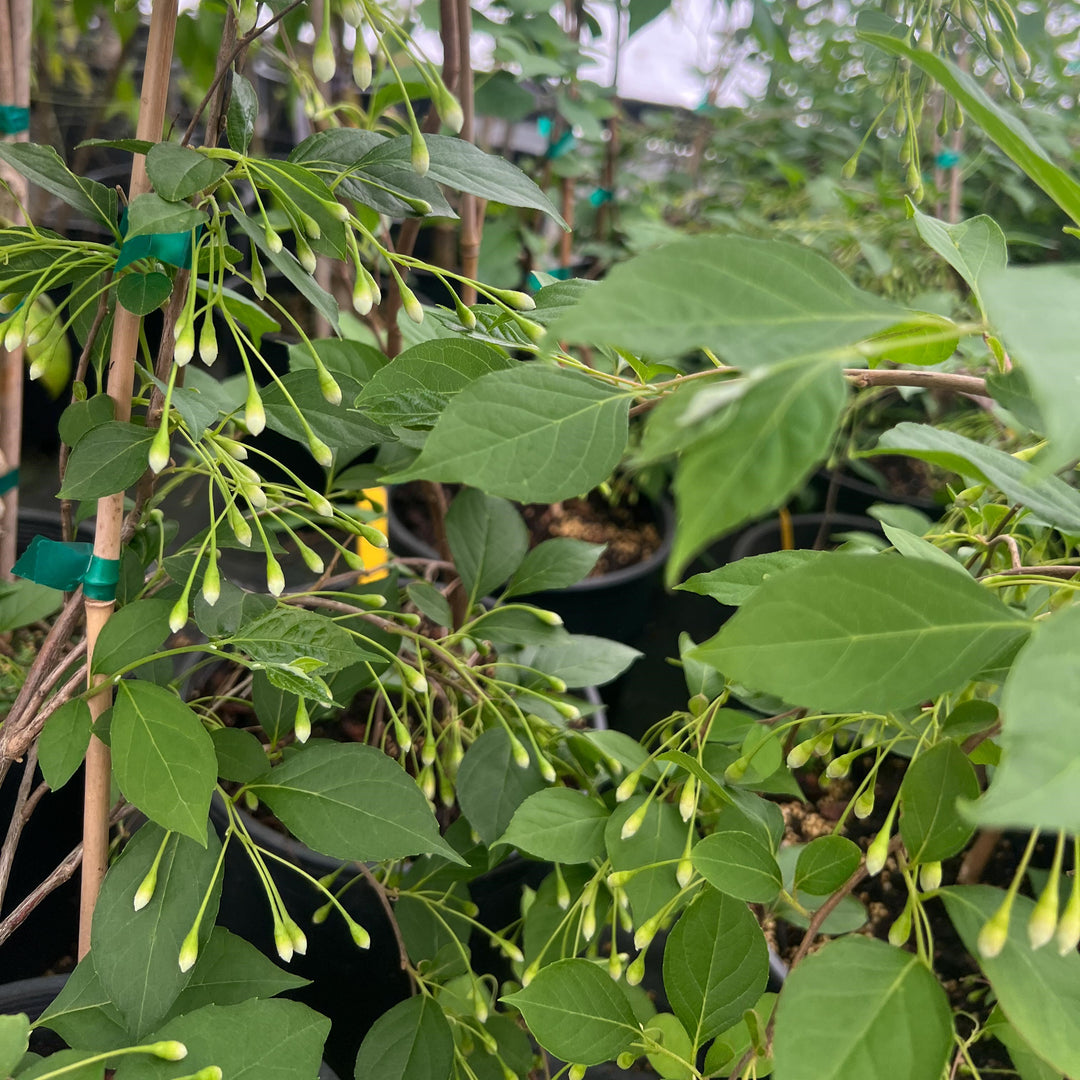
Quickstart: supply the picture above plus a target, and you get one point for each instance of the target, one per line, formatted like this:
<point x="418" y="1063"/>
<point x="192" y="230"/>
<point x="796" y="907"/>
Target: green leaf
<point x="716" y="965"/>
<point x="80" y="416"/>
<point x="738" y="864"/>
<point x="560" y="825"/>
<point x="107" y="459"/>
<point x="240" y="756"/>
<point x="351" y="802"/>
<point x="343" y="429"/>
<point x="1036" y="310"/>
<point x="42" y="165"/>
<point x="487" y="538"/>
<point x="752" y="301"/>
<point x="142" y="293"/>
<point x="653" y="851"/>
<point x="430" y="601"/>
<point x="63" y="742"/>
<point x="915" y="547"/>
<point x="553" y="564"/>
<point x="581" y="660"/>
<point x="414" y="388"/>
<point x="670" y="1034"/>
<point x="242" y="112"/>
<point x="82" y="1014"/>
<point x="1037" y="784"/>
<point x="163" y="757"/>
<point x="24" y="602"/>
<point x="229" y="971"/>
<point x="1006" y="130"/>
<point x="285" y="633"/>
<point x="410" y="1042"/>
<point x="308" y="193"/>
<point x="131" y="634"/>
<point x="930" y="822"/>
<point x="1046" y="496"/>
<point x="135" y="952"/>
<point x="735" y="583"/>
<point x="974" y="248"/>
<point x="178" y="172"/>
<point x="850" y="1010"/>
<point x="491" y="785"/>
<point x="577" y="1012"/>
<point x="252" y="1040"/>
<point x="343" y="357"/>
<point x="14" y="1041"/>
<point x="515" y="626"/>
<point x="777" y="432"/>
<point x="150" y="215"/>
<point x="924" y="340"/>
<point x="69" y="1061"/>
<point x="825" y="864"/>
<point x="1038" y="990"/>
<point x="1028" y="1065"/>
<point x="840" y="633"/>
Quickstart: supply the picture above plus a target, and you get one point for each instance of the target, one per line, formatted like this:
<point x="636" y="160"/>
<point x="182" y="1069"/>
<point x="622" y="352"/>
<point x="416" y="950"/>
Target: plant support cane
<point x="110" y="510"/>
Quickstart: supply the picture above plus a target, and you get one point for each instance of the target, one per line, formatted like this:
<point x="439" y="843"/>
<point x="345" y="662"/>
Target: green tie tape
<point x="67" y="566"/>
<point x="14" y="119"/>
<point x="9" y="480"/>
<point x="601" y="195"/>
<point x="947" y="159"/>
<point x="171" y="248"/>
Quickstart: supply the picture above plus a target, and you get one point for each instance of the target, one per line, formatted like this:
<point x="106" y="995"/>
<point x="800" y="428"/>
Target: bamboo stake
<point x="469" y="209"/>
<point x="15" y="21"/>
<point x="125" y="341"/>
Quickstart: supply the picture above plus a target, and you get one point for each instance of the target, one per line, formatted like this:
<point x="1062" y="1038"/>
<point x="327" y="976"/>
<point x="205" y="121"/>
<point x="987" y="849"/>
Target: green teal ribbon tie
<point x="9" y="480"/>
<point x="601" y="195"/>
<point x="947" y="159"/>
<point x="67" y="566"/>
<point x="14" y="119"/>
<point x="171" y="248"/>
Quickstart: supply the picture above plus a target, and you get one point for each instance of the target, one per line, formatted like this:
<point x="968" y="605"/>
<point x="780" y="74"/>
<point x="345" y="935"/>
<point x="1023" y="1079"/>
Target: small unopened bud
<point x="189" y="952"/>
<point x="208" y="346"/>
<point x="413" y="308"/>
<point x="634" y="822"/>
<point x="1044" y="916"/>
<point x="618" y="879"/>
<point x="800" y="753"/>
<point x="615" y="964"/>
<point x="626" y="1058"/>
<point x="839" y="767"/>
<point x="688" y="799"/>
<point x="275" y="579"/>
<point x="930" y="876"/>
<point x="520" y="754"/>
<point x="900" y="930"/>
<point x="511" y="951"/>
<point x="320" y="452"/>
<point x="184" y="346"/>
<point x="567" y="709"/>
<point x="302" y="722"/>
<point x="644" y="934"/>
<point x="320" y="915"/>
<point x="178" y="616"/>
<point x="145" y="892"/>
<point x="512" y="298"/>
<point x="361" y="65"/>
<point x="159" y="447"/>
<point x="328" y="386"/>
<point x="697" y="704"/>
<point x="297" y="936"/>
<point x="1068" y="930"/>
<point x="684" y="874"/>
<point x="415" y="679"/>
<point x="878" y="851"/>
<point x="635" y="970"/>
<point x="323" y="63"/>
<point x="420" y="157"/>
<point x="588" y="921"/>
<point x="823" y="745"/>
<point x="247" y="15"/>
<point x="305" y="254"/>
<point x="562" y="891"/>
<point x="283" y="941"/>
<point x="450" y="111"/>
<point x="995" y="931"/>
<point x="864" y="804"/>
<point x="533" y="330"/>
<point x="426" y="782"/>
<point x="530" y="973"/>
<point x="627" y="787"/>
<point x="254" y="414"/>
<point x="736" y="770"/>
<point x="273" y="240"/>
<point x="169" y="1049"/>
<point x="547" y="771"/>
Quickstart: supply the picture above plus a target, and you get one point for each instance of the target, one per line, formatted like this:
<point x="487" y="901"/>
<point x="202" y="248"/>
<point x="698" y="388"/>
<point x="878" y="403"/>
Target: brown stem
<point x="20" y="815"/>
<point x="936" y="380"/>
<point x="469" y="207"/>
<point x="403" y="953"/>
<point x="977" y="856"/>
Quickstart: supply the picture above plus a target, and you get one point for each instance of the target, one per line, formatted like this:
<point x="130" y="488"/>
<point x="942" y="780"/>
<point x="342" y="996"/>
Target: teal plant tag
<point x="171" y="248"/>
<point x="9" y="480"/>
<point x="14" y="119"/>
<point x="67" y="566"/>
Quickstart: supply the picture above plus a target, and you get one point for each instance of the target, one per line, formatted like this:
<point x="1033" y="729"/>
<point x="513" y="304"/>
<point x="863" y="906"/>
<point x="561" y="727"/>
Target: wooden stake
<point x="469" y="207"/>
<point x="125" y="342"/>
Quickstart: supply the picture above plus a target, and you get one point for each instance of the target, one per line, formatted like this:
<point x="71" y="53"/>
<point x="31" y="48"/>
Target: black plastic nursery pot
<point x="806" y="529"/>
<point x="46" y="523"/>
<point x="852" y="494"/>
<point x="614" y="605"/>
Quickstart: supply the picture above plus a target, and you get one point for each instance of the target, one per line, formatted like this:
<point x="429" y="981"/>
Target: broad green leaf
<point x="840" y="633"/>
<point x="553" y="564"/>
<point x="576" y="1012"/>
<point x="178" y="172"/>
<point x="251" y="1040"/>
<point x="669" y="1033"/>
<point x="515" y="626"/>
<point x="1012" y="390"/>
<point x="342" y="357"/>
<point x="660" y="840"/>
<point x="779" y="430"/>
<point x="922" y="341"/>
<point x="410" y="1042"/>
<point x="751" y="301"/>
<point x="930" y="821"/>
<point x="234" y="608"/>
<point x="413" y="389"/>
<point x="351" y="802"/>
<point x="230" y="970"/>
<point x="582" y="660"/>
<point x="738" y="864"/>
<point x="142" y="293"/>
<point x="487" y="538"/>
<point x="63" y="742"/>
<point x="430" y="601"/>
<point x="975" y="248"/>
<point x="560" y="825"/>
<point x="136" y="952"/>
<point x="851" y="1010"/>
<point x="548" y="935"/>
<point x="532" y="433"/>
<point x="163" y="757"/>
<point x="309" y="194"/>
<point x="1048" y="497"/>
<point x="1028" y="1065"/>
<point x="107" y="459"/>
<point x="1036" y="310"/>
<point x="344" y="430"/>
<point x="24" y="602"/>
<point x="14" y="1040"/>
<point x="1011" y="136"/>
<point x="491" y="785"/>
<point x="240" y="756"/>
<point x="1038" y="990"/>
<point x="283" y="634"/>
<point x="82" y="1014"/>
<point x="825" y="864"/>
<point x="131" y="634"/>
<point x="1037" y="784"/>
<point x="150" y="214"/>
<point x="736" y="582"/>
<point x="242" y="112"/>
<point x="716" y="965"/>
<point x="43" y="166"/>
<point x="915" y="547"/>
<point x="80" y="416"/>
<point x="70" y="1061"/>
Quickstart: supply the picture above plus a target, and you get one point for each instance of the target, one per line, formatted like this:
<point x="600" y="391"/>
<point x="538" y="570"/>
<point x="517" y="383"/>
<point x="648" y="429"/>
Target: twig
<point x="1064" y="572"/>
<point x="935" y="380"/>
<point x="403" y="953"/>
<point x="20" y="814"/>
